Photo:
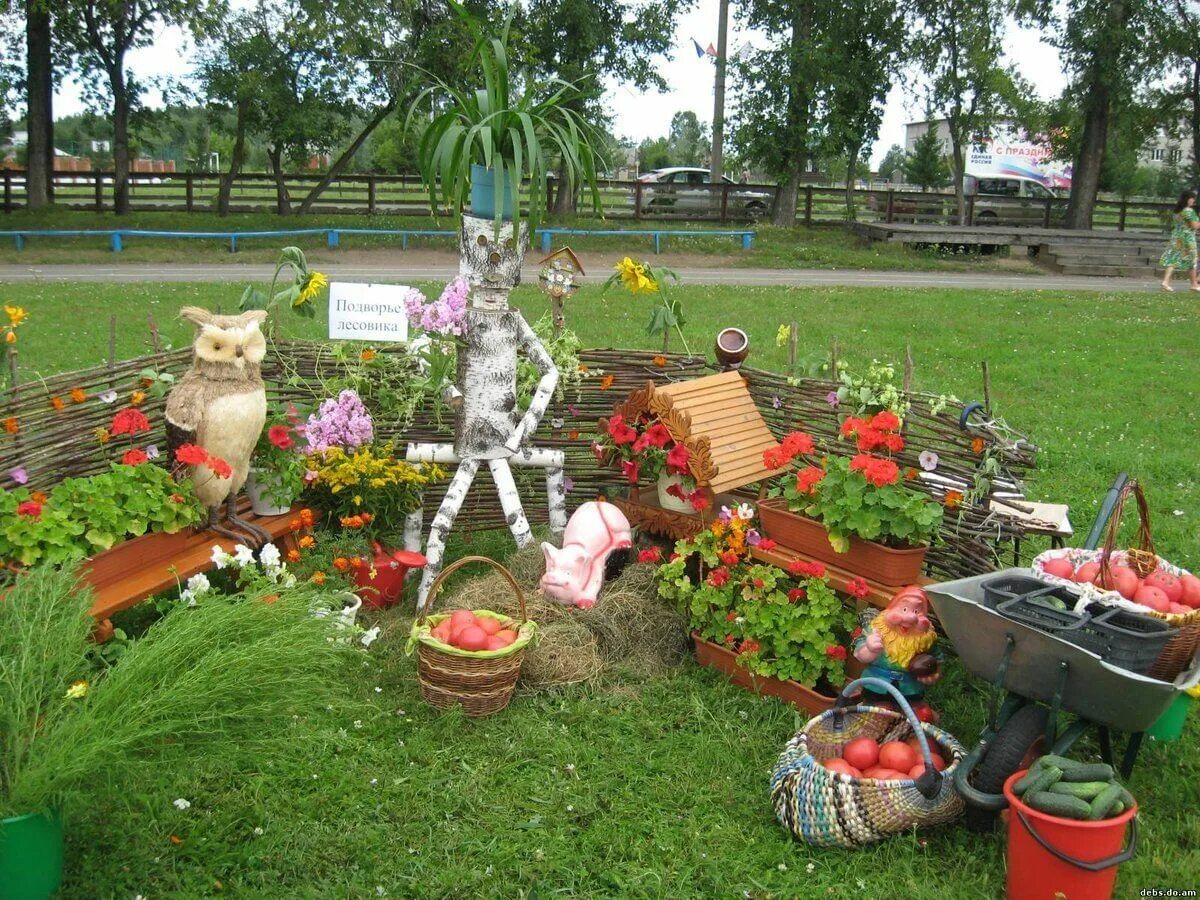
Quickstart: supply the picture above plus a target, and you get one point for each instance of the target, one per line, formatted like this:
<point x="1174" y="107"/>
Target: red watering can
<point x="390" y="569"/>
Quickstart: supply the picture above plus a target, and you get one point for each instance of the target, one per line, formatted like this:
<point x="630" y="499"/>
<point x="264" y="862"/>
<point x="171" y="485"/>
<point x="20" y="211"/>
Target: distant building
<point x="1007" y="151"/>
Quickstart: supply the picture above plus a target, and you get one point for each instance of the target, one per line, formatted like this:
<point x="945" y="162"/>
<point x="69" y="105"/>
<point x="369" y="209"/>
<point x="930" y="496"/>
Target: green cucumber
<point x="1058" y="805"/>
<point x="1073" y="770"/>
<point x="1084" y="790"/>
<point x="1038" y="779"/>
<point x="1117" y="809"/>
<point x="1126" y="798"/>
<point x="1103" y="804"/>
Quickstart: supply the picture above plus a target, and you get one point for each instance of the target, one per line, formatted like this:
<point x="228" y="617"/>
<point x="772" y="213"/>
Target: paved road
<point x="388" y="272"/>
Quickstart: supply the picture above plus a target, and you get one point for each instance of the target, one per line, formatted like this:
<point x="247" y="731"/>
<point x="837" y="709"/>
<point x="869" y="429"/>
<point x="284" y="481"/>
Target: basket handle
<point x="1143" y="541"/>
<point x="930" y="781"/>
<point x="466" y="560"/>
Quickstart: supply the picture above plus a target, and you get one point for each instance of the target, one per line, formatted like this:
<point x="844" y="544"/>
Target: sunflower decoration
<point x="294" y="284"/>
<point x="16" y="315"/>
<point x="644" y="278"/>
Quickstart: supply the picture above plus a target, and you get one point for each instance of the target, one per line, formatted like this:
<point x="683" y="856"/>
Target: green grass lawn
<point x="653" y="787"/>
<point x="819" y="247"/>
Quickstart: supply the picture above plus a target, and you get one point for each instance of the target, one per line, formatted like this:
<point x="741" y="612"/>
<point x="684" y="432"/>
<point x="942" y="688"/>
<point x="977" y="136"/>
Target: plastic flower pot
<point x="873" y="561"/>
<point x="260" y="505"/>
<point x="483" y="193"/>
<point x="31" y="856"/>
<point x="1049" y="856"/>
<point x="1169" y="726"/>
<point x="669" y="501"/>
<point x="381" y="578"/>
<point x="714" y="656"/>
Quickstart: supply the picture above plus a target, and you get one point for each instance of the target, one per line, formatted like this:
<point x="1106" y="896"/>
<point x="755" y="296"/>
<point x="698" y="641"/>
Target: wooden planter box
<point x="714" y="656"/>
<point x="874" y="562"/>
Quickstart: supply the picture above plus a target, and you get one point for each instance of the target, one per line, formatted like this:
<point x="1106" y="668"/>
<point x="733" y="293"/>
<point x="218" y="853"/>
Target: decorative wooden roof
<point x="716" y="419"/>
<point x="565" y="255"/>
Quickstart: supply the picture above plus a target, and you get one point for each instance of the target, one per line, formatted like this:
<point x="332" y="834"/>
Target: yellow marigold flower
<point x="977" y="445"/>
<point x="367" y="355"/>
<point x="16" y="315"/>
<point x="307" y="541"/>
<point x="57" y="403"/>
<point x="78" y="395"/>
<point x="953" y="499"/>
<point x="312" y="286"/>
<point x="137" y="398"/>
<point x="10" y="337"/>
<point x="318" y="577"/>
<point x="634" y="277"/>
<point x="77" y="691"/>
<point x="11" y="426"/>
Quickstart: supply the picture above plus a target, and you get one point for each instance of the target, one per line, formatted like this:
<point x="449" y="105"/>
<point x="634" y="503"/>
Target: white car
<point x="686" y="189"/>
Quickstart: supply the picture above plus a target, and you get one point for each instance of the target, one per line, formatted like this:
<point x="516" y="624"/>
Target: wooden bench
<point x="155" y="563"/>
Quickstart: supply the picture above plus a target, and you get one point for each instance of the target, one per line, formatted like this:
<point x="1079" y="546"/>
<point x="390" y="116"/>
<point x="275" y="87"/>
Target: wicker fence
<point x="50" y="436"/>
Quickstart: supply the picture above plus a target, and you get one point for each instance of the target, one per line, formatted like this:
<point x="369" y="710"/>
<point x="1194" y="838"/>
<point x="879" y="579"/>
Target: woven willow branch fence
<point x="49" y="435"/>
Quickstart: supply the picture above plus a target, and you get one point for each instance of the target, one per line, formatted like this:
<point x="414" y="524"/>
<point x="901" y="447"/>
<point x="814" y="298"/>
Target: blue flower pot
<point x="483" y="193"/>
<point x="31" y="856"/>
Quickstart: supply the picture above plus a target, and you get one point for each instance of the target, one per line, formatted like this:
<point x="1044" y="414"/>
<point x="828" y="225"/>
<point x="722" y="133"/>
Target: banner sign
<point x="367" y="312"/>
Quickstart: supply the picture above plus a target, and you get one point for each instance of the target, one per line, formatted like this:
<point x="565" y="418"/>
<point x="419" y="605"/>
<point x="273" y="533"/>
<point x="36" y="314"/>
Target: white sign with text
<point x="367" y="312"/>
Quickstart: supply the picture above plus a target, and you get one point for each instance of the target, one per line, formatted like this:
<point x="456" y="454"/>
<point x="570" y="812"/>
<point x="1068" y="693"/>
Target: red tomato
<point x="1179" y="609"/>
<point x="839" y="765"/>
<point x="917" y="771"/>
<point x="489" y="625"/>
<point x="1087" y="572"/>
<point x="1153" y="598"/>
<point x="507" y="635"/>
<point x="1191" y="591"/>
<point x="883" y="773"/>
<point x="472" y="638"/>
<point x="897" y="755"/>
<point x="862" y="753"/>
<point x="1121" y="579"/>
<point x="461" y="618"/>
<point x="1060" y="568"/>
<point x="1165" y="582"/>
<point x="442" y="631"/>
<point x="495" y="643"/>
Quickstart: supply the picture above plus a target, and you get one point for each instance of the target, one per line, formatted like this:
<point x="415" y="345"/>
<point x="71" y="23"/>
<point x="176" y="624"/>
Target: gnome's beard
<point x="901" y="648"/>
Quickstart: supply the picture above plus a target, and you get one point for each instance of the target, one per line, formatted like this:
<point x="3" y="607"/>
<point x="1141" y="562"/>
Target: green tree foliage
<point x="688" y="142"/>
<point x="1177" y="26"/>
<point x="958" y="46"/>
<point x="926" y="165"/>
<point x="654" y="154"/>
<point x="892" y="164"/>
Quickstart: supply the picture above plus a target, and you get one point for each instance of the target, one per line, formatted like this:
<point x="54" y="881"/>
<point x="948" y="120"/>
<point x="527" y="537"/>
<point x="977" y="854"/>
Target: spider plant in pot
<point x="480" y="144"/>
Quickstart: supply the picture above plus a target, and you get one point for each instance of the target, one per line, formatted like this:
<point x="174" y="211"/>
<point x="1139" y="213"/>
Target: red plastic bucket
<point x="1050" y="857"/>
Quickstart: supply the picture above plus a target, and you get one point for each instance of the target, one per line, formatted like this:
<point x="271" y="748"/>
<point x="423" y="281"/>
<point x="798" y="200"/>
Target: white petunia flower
<point x="243" y="556"/>
<point x="745" y="512"/>
<point x="198" y="584"/>
<point x="269" y="556"/>
<point x="369" y="636"/>
<point x="219" y="557"/>
<point x="928" y="460"/>
<point x="181" y="804"/>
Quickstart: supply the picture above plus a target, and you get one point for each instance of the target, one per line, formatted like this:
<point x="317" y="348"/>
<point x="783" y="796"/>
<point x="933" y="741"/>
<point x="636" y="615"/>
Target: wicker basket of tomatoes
<point x="470" y="657"/>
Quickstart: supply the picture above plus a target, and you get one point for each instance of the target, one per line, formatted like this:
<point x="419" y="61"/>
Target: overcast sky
<point x="640" y="115"/>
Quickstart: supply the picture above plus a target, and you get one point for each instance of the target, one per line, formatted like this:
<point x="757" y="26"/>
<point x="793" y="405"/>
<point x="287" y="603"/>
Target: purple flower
<point x="832" y="399"/>
<point x="753" y="538"/>
<point x="776" y="402"/>
<point x="928" y="460"/>
<point x="444" y="315"/>
<point x="726" y="515"/>
<point x="152" y="451"/>
<point x="19" y="475"/>
<point x="343" y="422"/>
<point x="573" y="409"/>
<point x="568" y="485"/>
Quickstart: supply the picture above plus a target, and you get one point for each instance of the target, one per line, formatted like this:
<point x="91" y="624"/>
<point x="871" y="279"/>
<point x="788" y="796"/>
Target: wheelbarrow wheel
<point x="1005" y="753"/>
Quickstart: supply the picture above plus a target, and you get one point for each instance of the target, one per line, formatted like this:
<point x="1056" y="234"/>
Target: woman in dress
<point x="1181" y="251"/>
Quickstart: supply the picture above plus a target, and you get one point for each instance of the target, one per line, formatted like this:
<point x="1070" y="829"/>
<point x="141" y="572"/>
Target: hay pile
<point x="630" y="626"/>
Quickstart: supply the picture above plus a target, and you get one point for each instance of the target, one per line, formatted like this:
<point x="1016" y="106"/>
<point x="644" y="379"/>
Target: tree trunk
<point x="784" y="212"/>
<point x="956" y="172"/>
<point x="120" y="92"/>
<point x="1085" y="176"/>
<point x="39" y="174"/>
<point x="852" y="153"/>
<point x="283" y="203"/>
<point x="1195" y="119"/>
<point x="348" y="154"/>
<point x="564" y="195"/>
<point x="236" y="158"/>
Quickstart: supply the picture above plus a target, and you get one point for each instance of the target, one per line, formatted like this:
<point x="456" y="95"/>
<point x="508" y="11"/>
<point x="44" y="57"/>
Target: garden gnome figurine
<point x="487" y="425"/>
<point x="897" y="643"/>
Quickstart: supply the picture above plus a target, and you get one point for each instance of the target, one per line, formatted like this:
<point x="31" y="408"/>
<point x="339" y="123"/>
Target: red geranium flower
<point x="729" y="640"/>
<point x="729" y="558"/>
<point x="758" y="582"/>
<point x="766" y="544"/>
<point x="718" y="577"/>
<point x="893" y="442"/>
<point x="129" y="421"/>
<point x="885" y="420"/>
<point x="30" y="508"/>
<point x="857" y="587"/>
<point x="281" y="437"/>
<point x="807" y="479"/>
<point x="134" y="457"/>
<point x="650" y="555"/>
<point x="861" y="462"/>
<point x="191" y="455"/>
<point x="730" y="616"/>
<point x="676" y="490"/>
<point x="835" y="651"/>
<point x="699" y="501"/>
<point x="219" y="467"/>
<point x="749" y="647"/>
<point x="629" y="468"/>
<point x="804" y="569"/>
<point x="797" y="442"/>
<point x="871" y="438"/>
<point x="677" y="459"/>
<point x="796" y="594"/>
<point x="883" y="472"/>
<point x="774" y="458"/>
<point x="851" y="425"/>
<point x="857" y="632"/>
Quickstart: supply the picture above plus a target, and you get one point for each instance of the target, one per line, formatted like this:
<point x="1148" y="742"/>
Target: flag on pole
<point x="711" y="50"/>
<point x="699" y="49"/>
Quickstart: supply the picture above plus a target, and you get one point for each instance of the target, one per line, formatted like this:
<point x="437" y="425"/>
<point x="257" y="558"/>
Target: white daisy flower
<point x="181" y="804"/>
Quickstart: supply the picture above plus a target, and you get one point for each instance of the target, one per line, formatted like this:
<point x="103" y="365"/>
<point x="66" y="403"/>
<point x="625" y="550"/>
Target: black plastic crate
<point x="1035" y="610"/>
<point x="1127" y="639"/>
<point x="1010" y="587"/>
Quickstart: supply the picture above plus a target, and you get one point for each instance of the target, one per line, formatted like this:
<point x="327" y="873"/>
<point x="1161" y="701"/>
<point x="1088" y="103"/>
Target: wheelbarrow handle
<point x="930" y="781"/>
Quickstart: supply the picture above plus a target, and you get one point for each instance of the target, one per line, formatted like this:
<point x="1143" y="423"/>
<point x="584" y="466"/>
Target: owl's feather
<point x="185" y="404"/>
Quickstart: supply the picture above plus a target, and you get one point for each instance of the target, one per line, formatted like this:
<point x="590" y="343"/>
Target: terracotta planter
<point x="874" y="562"/>
<point x="714" y="656"/>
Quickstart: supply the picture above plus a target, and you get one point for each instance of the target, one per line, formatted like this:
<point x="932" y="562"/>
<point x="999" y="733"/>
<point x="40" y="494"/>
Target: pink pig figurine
<point x="575" y="573"/>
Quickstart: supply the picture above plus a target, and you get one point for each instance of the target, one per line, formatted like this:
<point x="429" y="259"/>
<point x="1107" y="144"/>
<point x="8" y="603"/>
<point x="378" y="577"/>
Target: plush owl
<point x="220" y="405"/>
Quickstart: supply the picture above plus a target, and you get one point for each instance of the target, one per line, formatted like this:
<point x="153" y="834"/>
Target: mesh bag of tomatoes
<point x="471" y="658"/>
<point x="857" y="774"/>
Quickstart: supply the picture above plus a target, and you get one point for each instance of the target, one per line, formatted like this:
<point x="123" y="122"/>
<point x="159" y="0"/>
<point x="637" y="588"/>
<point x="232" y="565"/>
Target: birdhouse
<point x="717" y="420"/>
<point x="559" y="278"/>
